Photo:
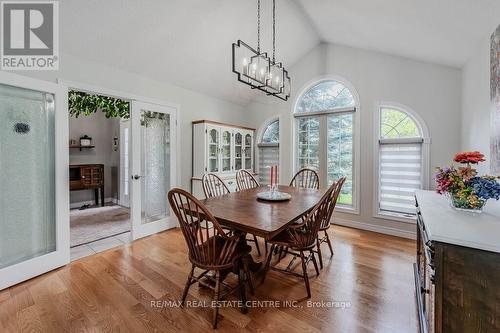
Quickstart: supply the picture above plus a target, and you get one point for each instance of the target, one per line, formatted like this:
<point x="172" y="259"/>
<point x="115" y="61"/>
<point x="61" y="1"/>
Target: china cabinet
<point x="222" y="149"/>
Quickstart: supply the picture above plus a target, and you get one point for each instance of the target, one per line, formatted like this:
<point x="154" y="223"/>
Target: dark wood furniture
<point x="457" y="268"/>
<point x="210" y="249"/>
<point x="242" y="211"/>
<point x="327" y="222"/>
<point x="305" y="178"/>
<point x="213" y="186"/>
<point x="302" y="237"/>
<point x="87" y="177"/>
<point x="245" y="180"/>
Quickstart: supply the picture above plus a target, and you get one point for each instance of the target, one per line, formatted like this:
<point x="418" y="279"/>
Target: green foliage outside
<point x="396" y="124"/>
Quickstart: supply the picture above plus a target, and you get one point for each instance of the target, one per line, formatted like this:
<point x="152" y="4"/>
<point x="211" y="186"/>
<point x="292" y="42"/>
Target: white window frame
<point x="260" y="134"/>
<point x="323" y="173"/>
<point x="426" y="141"/>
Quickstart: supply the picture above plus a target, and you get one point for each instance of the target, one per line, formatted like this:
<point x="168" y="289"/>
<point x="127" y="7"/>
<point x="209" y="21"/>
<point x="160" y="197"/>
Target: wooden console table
<point x="87" y="177"/>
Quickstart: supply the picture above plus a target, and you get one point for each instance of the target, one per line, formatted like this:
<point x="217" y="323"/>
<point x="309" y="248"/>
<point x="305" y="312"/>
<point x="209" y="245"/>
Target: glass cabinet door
<point x="213" y="150"/>
<point x="238" y="151"/>
<point x="248" y="151"/>
<point x="226" y="150"/>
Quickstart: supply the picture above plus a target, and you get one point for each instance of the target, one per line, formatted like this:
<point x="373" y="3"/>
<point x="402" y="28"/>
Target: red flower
<point x="467" y="157"/>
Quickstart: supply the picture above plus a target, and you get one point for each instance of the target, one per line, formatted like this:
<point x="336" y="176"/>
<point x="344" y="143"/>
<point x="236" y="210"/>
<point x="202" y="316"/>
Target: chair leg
<point x="256" y="244"/>
<point x="320" y="256"/>
<point x="248" y="276"/>
<point x="242" y="286"/>
<point x="314" y="262"/>
<point x="266" y="245"/>
<point x="188" y="284"/>
<point x="280" y="252"/>
<point x="306" y="277"/>
<point x="215" y="310"/>
<point x="329" y="243"/>
<point x="268" y="262"/>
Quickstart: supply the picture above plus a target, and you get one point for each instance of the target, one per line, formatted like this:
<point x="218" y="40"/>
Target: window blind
<point x="400" y="175"/>
<point x="268" y="155"/>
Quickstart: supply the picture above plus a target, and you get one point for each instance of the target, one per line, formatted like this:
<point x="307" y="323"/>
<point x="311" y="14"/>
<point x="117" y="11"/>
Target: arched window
<point x="325" y="135"/>
<point x="268" y="149"/>
<point x="401" y="161"/>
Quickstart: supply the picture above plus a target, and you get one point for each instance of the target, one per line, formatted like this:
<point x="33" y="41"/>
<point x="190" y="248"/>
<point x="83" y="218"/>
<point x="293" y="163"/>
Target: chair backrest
<point x="306" y="233"/>
<point x="305" y="178"/>
<point x="338" y="187"/>
<point x="208" y="245"/>
<point x="213" y="186"/>
<point x="245" y="180"/>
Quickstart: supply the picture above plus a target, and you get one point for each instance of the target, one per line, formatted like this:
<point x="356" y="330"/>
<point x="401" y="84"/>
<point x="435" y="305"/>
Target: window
<point x="325" y="122"/>
<point x="268" y="150"/>
<point x="401" y="161"/>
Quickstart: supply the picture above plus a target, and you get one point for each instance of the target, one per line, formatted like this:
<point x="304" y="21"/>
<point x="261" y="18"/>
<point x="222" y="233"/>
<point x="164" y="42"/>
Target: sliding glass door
<point x="34" y="235"/>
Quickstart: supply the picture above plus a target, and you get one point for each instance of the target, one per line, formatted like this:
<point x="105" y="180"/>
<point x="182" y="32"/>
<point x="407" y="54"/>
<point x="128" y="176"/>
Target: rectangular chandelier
<point x="258" y="71"/>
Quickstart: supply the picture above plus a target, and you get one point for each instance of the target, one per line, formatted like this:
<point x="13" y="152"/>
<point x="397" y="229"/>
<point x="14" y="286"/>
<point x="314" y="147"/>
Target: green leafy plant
<point x="81" y="103"/>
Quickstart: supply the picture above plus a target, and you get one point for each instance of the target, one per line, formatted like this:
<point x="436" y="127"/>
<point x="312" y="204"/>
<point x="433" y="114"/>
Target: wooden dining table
<point x="242" y="211"/>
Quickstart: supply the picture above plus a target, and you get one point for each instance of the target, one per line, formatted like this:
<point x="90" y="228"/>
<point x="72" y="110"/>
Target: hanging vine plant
<point x="81" y="103"/>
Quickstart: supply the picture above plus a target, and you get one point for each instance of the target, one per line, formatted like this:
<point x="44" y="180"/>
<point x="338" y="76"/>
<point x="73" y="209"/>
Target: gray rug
<point x="96" y="223"/>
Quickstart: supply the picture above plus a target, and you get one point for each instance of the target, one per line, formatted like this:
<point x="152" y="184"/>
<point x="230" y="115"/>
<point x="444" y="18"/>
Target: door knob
<point x="136" y="177"/>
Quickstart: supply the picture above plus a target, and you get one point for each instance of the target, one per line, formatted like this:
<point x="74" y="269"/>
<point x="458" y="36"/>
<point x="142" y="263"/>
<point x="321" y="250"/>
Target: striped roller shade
<point x="268" y="155"/>
<point x="400" y="174"/>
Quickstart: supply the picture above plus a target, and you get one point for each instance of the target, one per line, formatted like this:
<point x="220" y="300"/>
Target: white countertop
<point x="445" y="224"/>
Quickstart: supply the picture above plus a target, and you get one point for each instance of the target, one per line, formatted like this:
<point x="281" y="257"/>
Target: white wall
<point x="433" y="91"/>
<point x="193" y="105"/>
<point x="476" y="105"/>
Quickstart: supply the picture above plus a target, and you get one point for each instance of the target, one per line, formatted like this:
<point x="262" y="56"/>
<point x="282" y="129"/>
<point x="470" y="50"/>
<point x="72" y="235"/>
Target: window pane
<point x="326" y="95"/>
<point x="340" y="153"/>
<point x="268" y="156"/>
<point x="308" y="143"/>
<point x="397" y="124"/>
<point x="271" y="133"/>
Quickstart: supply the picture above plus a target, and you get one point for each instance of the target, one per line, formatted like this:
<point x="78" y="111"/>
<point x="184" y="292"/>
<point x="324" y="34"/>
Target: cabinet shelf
<point x="81" y="147"/>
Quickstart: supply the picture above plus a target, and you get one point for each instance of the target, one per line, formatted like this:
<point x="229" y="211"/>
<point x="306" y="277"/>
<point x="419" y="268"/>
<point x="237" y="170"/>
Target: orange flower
<point x="467" y="157"/>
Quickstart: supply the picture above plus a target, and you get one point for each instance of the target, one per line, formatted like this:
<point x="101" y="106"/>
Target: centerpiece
<point x="463" y="187"/>
<point x="273" y="194"/>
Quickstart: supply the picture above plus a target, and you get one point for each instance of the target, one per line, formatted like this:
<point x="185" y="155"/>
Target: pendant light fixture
<point x="257" y="70"/>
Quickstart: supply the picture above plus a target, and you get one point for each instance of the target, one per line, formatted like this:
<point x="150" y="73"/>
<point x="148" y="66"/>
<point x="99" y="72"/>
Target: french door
<point x="153" y="170"/>
<point x="34" y="196"/>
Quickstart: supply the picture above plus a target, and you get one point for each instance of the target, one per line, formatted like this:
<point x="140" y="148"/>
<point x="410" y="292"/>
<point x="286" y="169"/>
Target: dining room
<point x="285" y="165"/>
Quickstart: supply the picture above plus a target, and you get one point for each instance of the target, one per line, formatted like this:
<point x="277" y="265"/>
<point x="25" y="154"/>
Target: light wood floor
<point x="113" y="292"/>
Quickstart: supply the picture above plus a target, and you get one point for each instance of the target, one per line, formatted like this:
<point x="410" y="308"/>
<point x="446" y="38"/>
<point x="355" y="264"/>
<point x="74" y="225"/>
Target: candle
<point x="271" y="170"/>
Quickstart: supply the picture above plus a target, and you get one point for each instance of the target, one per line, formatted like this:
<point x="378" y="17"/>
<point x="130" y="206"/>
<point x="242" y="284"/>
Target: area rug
<point x="96" y="223"/>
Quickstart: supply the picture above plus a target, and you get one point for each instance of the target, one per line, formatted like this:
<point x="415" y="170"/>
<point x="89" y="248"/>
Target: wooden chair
<point x="302" y="237"/>
<point x="325" y="223"/>
<point x="245" y="180"/>
<point x="306" y="178"/>
<point x="210" y="249"/>
<point x="213" y="186"/>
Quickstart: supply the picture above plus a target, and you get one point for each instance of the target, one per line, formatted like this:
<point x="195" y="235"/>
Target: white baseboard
<point x="91" y="202"/>
<point x="377" y="228"/>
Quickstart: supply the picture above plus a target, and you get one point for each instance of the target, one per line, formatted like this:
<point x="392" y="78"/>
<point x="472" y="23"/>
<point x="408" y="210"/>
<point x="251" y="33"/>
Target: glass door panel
<point x="308" y="143"/>
<point x="226" y="151"/>
<point x="213" y="150"/>
<point x="248" y="151"/>
<point x="27" y="154"/>
<point x="238" y="151"/>
<point x="153" y="167"/>
<point x="34" y="199"/>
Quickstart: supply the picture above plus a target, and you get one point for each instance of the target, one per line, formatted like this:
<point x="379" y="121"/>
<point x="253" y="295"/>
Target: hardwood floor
<point x="114" y="291"/>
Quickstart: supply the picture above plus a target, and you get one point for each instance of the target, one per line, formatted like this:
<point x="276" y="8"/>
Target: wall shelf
<point x="81" y="147"/>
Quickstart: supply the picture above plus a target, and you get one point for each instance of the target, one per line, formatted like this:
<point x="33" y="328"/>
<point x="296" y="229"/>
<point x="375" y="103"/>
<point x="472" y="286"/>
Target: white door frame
<point x="36" y="266"/>
<point x="175" y="150"/>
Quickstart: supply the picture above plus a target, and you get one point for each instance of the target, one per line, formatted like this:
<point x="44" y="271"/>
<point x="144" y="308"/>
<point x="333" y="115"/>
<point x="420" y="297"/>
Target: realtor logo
<point x="30" y="35"/>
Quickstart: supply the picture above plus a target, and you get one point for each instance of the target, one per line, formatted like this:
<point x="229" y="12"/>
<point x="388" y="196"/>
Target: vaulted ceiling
<point x="188" y="42"/>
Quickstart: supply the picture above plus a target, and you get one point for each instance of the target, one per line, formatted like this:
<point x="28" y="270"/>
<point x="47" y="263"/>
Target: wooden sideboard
<point x="87" y="177"/>
<point x="457" y="273"/>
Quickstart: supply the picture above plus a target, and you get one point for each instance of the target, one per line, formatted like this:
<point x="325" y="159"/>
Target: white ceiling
<point x="188" y="42"/>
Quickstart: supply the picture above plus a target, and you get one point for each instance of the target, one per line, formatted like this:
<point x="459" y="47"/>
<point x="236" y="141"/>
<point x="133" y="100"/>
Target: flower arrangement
<point x="465" y="188"/>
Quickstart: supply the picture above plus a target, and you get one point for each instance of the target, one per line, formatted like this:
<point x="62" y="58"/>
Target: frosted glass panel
<point x="155" y="165"/>
<point x="27" y="193"/>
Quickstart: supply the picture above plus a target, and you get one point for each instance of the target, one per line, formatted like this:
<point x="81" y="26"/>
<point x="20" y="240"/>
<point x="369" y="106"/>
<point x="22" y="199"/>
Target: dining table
<point x="244" y="213"/>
